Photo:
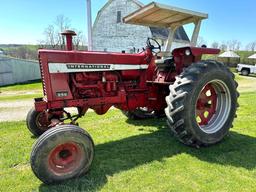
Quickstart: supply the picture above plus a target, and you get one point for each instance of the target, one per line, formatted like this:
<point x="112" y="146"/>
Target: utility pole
<point x="89" y="24"/>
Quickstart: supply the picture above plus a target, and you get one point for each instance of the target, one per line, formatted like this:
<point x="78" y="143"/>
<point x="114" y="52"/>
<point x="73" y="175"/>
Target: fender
<point x="185" y="56"/>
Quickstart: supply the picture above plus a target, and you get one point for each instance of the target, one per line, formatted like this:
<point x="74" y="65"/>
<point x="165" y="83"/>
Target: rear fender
<point x="185" y="56"/>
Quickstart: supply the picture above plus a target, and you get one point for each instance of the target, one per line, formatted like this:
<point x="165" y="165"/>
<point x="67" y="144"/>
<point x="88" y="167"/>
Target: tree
<point x="238" y="46"/>
<point x="215" y="45"/>
<point x="234" y="45"/>
<point x="251" y="46"/>
<point x="50" y="37"/>
<point x="53" y="38"/>
<point x="79" y="40"/>
<point x="62" y="23"/>
<point x="223" y="46"/>
<point x="201" y="41"/>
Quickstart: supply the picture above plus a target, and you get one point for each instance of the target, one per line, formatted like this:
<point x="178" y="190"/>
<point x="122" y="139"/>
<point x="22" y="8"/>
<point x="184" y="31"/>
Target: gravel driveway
<point x="14" y="110"/>
<point x="17" y="110"/>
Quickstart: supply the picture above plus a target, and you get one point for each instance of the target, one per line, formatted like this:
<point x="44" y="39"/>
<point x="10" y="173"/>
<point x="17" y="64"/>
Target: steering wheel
<point x="152" y="47"/>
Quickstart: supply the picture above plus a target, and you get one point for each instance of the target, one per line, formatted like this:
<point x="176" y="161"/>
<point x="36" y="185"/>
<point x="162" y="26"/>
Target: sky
<point x="23" y="21"/>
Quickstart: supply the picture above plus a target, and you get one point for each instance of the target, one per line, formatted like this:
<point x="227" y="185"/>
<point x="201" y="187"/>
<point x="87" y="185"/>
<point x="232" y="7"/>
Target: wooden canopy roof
<point x="158" y="15"/>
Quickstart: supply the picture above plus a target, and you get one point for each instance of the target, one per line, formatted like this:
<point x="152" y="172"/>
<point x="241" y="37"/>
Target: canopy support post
<point x="170" y="39"/>
<point x="196" y="32"/>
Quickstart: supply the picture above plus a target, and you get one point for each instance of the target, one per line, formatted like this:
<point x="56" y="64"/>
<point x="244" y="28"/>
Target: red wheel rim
<point x="206" y="105"/>
<point x="42" y="121"/>
<point x="65" y="158"/>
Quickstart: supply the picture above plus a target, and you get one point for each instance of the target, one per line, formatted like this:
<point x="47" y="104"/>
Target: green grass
<point x="20" y="97"/>
<point x="142" y="156"/>
<point x="139" y="155"/>
<point x="22" y="87"/>
<point x="19" y="92"/>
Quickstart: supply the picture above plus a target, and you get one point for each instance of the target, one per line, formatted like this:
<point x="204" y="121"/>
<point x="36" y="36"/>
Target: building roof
<point x="157" y="32"/>
<point x="229" y="54"/>
<point x="252" y="56"/>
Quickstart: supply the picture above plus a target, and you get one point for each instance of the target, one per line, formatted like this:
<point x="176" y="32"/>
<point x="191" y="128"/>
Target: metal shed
<point x="14" y="70"/>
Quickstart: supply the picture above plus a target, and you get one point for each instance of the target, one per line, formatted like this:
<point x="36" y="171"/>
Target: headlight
<point x="187" y="52"/>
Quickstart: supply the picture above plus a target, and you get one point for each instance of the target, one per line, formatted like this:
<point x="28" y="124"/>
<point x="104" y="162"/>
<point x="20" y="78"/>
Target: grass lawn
<point x="22" y="87"/>
<point x="21" y="91"/>
<point x="142" y="156"/>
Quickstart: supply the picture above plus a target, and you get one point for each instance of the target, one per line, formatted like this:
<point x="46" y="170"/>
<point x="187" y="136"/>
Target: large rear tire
<point x="62" y="153"/>
<point x="202" y="104"/>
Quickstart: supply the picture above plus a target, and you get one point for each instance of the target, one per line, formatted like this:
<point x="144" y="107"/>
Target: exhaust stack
<point x="69" y="39"/>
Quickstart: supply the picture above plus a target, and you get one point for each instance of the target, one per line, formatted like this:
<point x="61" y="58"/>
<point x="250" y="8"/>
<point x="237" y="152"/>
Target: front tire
<point x="62" y="153"/>
<point x="37" y="122"/>
<point x="202" y="104"/>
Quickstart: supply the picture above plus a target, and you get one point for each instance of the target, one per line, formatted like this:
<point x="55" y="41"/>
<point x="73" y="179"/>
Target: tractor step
<point x="157" y="82"/>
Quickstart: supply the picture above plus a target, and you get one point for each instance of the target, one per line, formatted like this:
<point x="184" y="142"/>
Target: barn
<point x="111" y="34"/>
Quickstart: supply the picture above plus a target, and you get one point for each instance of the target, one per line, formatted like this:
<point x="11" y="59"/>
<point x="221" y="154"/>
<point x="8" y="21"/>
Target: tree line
<point x="234" y="45"/>
<point x="52" y="39"/>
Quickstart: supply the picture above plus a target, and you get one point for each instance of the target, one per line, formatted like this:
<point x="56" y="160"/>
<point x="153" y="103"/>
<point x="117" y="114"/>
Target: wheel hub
<point x="65" y="158"/>
<point x="206" y="104"/>
<point x="213" y="106"/>
<point x="42" y="121"/>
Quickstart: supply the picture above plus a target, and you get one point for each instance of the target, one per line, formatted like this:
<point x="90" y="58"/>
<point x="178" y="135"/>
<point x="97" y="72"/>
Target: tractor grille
<point x="42" y="76"/>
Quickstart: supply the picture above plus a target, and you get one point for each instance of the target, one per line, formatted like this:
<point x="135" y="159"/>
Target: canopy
<point x="229" y="54"/>
<point x="252" y="56"/>
<point x="159" y="15"/>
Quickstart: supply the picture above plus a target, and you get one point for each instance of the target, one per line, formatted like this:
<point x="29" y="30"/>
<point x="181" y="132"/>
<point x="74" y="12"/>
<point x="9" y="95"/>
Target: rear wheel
<point x="61" y="153"/>
<point x="202" y="103"/>
<point x="245" y="72"/>
<point x="37" y="122"/>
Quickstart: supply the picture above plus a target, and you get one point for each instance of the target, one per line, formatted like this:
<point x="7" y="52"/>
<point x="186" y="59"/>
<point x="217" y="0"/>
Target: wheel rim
<point x="42" y="121"/>
<point x="244" y="72"/>
<point x="213" y="106"/>
<point x="65" y="158"/>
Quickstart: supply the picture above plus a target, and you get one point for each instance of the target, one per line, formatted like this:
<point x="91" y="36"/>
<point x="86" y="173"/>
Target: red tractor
<point x="198" y="97"/>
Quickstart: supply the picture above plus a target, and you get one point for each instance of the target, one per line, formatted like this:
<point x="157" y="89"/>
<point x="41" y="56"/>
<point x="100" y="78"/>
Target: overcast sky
<point x="23" y="21"/>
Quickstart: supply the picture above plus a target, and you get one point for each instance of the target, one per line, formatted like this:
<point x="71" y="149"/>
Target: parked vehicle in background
<point x="245" y="69"/>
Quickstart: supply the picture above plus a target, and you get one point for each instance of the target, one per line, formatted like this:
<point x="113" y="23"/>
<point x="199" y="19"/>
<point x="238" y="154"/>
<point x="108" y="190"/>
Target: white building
<point x="111" y="34"/>
<point x="13" y="70"/>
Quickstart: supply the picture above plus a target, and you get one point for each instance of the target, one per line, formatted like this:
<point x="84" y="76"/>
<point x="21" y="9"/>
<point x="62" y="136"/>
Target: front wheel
<point x="37" y="122"/>
<point x="62" y="153"/>
<point x="202" y="104"/>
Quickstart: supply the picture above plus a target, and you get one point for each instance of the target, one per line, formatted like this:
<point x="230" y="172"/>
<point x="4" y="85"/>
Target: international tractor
<point x="198" y="97"/>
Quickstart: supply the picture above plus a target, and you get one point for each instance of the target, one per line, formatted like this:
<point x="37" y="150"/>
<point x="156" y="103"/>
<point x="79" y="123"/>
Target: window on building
<point x="119" y="17"/>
